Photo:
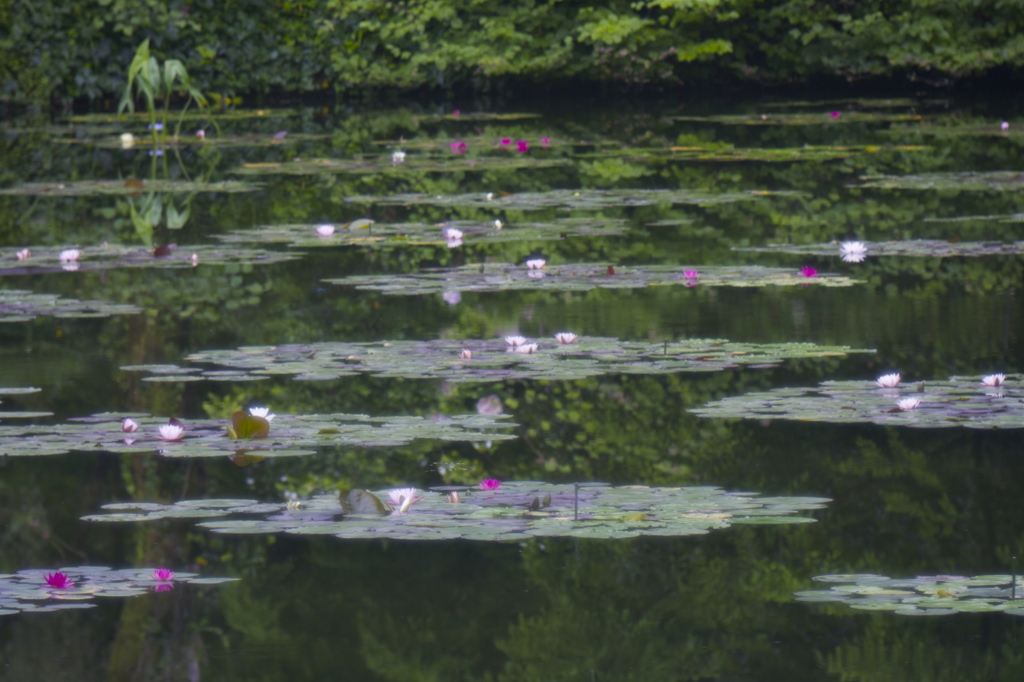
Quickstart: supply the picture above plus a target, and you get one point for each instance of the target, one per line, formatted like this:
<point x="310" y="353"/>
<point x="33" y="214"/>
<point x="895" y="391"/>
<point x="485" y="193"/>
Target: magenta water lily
<point x="490" y="484"/>
<point x="59" y="581"/>
<point x="163" y="574"/>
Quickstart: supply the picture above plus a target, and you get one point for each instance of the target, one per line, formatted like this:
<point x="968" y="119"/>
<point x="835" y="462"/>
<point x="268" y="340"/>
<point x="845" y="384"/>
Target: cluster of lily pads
<point x="937" y="595"/>
<point x="857" y="251"/>
<point x="20" y="306"/>
<point x="39" y="590"/>
<point x="492" y="511"/>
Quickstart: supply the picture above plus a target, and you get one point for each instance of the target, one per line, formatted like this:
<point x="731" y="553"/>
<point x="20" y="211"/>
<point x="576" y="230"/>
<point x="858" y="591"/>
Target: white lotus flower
<point x="397" y="158"/>
<point x="853" y="252"/>
<point x="515" y="340"/>
<point x="69" y="255"/>
<point x="994" y="379"/>
<point x="403" y="498"/>
<point x="129" y="426"/>
<point x="23" y="254"/>
<point x="451" y="233"/>
<point x="525" y="348"/>
<point x="888" y="380"/>
<point x="565" y="337"/>
<point x="908" y="403"/>
<point x="171" y="432"/>
<point x="466" y="354"/>
<point x="325" y="230"/>
<point x="535" y="264"/>
<point x="262" y="412"/>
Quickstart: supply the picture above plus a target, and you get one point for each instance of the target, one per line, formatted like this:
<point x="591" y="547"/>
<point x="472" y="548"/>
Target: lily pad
<point x="958" y="401"/>
<point x="81" y="188"/>
<point x="289" y="435"/>
<point x="576" y="199"/>
<point x="496" y="360"/>
<point x="802" y="119"/>
<point x="581" y="277"/>
<point x="20" y="306"/>
<point x="430" y="163"/>
<point x="934" y="248"/>
<point x="396" y="234"/>
<point x="28" y="590"/>
<point x="940" y="595"/>
<point x="507" y="514"/>
<point x="114" y="256"/>
<point x="969" y="181"/>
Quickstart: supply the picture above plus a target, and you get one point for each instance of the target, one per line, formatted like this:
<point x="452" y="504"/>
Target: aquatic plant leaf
<point x="27" y="590"/>
<point x="114" y="256"/>
<point x="506" y="514"/>
<point x="581" y="277"/>
<point x="802" y="119"/>
<point x="362" y="502"/>
<point x="572" y="199"/>
<point x="20" y="306"/>
<point x="85" y="188"/>
<point x="940" y="595"/>
<point x="405" y="234"/>
<point x="934" y="248"/>
<point x="294" y="435"/>
<point x="244" y="425"/>
<point x="958" y="401"/>
<point x="428" y="163"/>
<point x="968" y="181"/>
<point x="494" y="360"/>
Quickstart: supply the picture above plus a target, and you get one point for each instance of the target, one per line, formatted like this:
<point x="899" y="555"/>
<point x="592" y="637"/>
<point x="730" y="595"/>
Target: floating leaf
<point x="293" y="435"/>
<point x="965" y="181"/>
<point x="802" y="119"/>
<point x="244" y="425"/>
<point x="362" y="502"/>
<point x="447" y="163"/>
<point x="495" y="360"/>
<point x="604" y="512"/>
<point x="580" y="277"/>
<point x="20" y="306"/>
<point x="940" y="595"/>
<point x="934" y="248"/>
<point x="80" y="188"/>
<point x="114" y="256"/>
<point x="959" y="401"/>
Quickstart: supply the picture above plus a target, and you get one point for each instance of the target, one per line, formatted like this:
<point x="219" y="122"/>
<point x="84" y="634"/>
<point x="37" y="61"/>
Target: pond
<point x="563" y="390"/>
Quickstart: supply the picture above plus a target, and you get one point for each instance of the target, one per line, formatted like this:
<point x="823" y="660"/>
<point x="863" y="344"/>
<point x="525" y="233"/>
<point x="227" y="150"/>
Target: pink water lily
<point x="522" y="146"/>
<point x="536" y="264"/>
<point x="23" y="254"/>
<point x="129" y="426"/>
<point x="1004" y="126"/>
<point x="69" y="255"/>
<point x="325" y="230"/>
<point x="58" y="580"/>
<point x="465" y="354"/>
<point x="505" y="142"/>
<point x="834" y="114"/>
<point x="458" y="147"/>
<point x="490" y="484"/>
<point x="808" y="271"/>
<point x="163" y="574"/>
<point x="691" y="274"/>
<point x="545" y="142"/>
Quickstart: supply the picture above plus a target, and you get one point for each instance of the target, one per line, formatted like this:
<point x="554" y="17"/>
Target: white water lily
<point x="497" y="225"/>
<point x="262" y="412"/>
<point x="69" y="255"/>
<point x="453" y="243"/>
<point x="525" y="348"/>
<point x="129" y="426"/>
<point x="127" y="140"/>
<point x="466" y="354"/>
<point x="1004" y="126"/>
<point x="994" y="379"/>
<point x="565" y="337"/>
<point x="23" y="254"/>
<point x="908" y="403"/>
<point x="171" y="432"/>
<point x="888" y="380"/>
<point x="490" y="196"/>
<point x="853" y="252"/>
<point x="451" y="233"/>
<point x="195" y="259"/>
<point x="535" y="264"/>
<point x="325" y="230"/>
<point x="403" y="498"/>
<point x="515" y="340"/>
<point x="397" y="158"/>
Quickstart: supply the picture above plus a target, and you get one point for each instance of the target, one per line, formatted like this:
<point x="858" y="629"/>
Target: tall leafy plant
<point x="151" y="82"/>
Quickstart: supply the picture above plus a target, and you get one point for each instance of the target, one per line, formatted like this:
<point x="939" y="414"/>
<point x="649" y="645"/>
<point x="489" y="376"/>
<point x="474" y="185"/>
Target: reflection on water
<point x="906" y="502"/>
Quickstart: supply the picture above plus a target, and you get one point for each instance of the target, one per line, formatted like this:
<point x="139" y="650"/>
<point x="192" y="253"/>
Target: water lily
<point x="23" y="254"/>
<point x="201" y="134"/>
<point x="127" y="140"/>
<point x="497" y="225"/>
<point x="888" y="380"/>
<point x="536" y="264"/>
<point x="456" y="113"/>
<point x="195" y="259"/>
<point x="451" y="233"/>
<point x="808" y="271"/>
<point x="69" y="255"/>
<point x="466" y="354"/>
<point x="454" y="497"/>
<point x="1004" y="126"/>
<point x="163" y="574"/>
<point x="525" y="348"/>
<point x="853" y="252"/>
<point x="397" y="158"/>
<point x="403" y="498"/>
<point x="522" y="146"/>
<point x="490" y="405"/>
<point x="58" y="580"/>
<point x="490" y="484"/>
<point x="908" y="403"/>
<point x="489" y="196"/>
<point x="691" y="274"/>
<point x="505" y="142"/>
<point x="515" y="340"/>
<point x="325" y="230"/>
<point x="262" y="412"/>
<point x="171" y="432"/>
<point x="458" y="147"/>
<point x="545" y="142"/>
<point x="834" y="114"/>
<point x="129" y="425"/>
<point x="994" y="379"/>
<point x="453" y="243"/>
<point x="565" y="337"/>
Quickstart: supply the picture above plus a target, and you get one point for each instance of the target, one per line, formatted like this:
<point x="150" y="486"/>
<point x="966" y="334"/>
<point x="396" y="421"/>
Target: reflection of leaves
<point x="18" y="306"/>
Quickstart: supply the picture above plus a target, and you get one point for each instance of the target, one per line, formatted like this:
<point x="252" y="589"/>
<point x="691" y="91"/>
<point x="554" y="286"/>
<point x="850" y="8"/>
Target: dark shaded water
<point x="718" y="606"/>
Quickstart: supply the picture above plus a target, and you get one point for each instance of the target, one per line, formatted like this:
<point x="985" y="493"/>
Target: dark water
<point x="719" y="606"/>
